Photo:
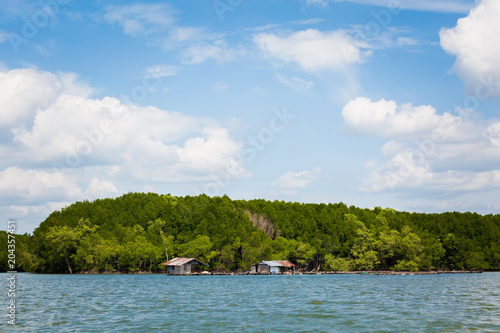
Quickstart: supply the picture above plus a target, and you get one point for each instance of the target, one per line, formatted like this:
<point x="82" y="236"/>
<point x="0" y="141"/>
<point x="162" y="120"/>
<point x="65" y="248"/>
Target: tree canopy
<point x="139" y="231"/>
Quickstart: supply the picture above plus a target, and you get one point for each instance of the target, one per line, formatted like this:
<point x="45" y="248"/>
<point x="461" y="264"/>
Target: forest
<point x="139" y="231"/>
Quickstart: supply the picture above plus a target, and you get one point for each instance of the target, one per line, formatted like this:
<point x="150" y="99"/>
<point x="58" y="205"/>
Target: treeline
<point x="139" y="231"/>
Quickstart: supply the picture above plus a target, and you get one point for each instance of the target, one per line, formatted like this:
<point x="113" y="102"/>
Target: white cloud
<point x="312" y="49"/>
<point x="156" y="23"/>
<point x="211" y="153"/>
<point x="430" y="152"/>
<point x="291" y="182"/>
<point x="160" y="71"/>
<point x="68" y="146"/>
<point x="100" y="189"/>
<point x="295" y="83"/>
<point x="407" y="41"/>
<point x="447" y="6"/>
<point x="105" y="132"/>
<point x="201" y="52"/>
<point x="24" y="91"/>
<point x="410" y="170"/>
<point x="475" y="43"/>
<point x="44" y="209"/>
<point x="387" y="119"/>
<point x="198" y="45"/>
<point x="140" y="19"/>
<point x="29" y="216"/>
<point x="179" y="35"/>
<point x="33" y="185"/>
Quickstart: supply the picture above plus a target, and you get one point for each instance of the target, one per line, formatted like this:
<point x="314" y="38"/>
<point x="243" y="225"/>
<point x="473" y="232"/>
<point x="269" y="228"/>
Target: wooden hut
<point x="273" y="267"/>
<point x="183" y="266"/>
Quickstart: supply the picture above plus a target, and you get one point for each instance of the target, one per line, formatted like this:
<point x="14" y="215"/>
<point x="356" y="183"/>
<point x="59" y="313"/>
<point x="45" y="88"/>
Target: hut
<point x="273" y="267"/>
<point x="183" y="266"/>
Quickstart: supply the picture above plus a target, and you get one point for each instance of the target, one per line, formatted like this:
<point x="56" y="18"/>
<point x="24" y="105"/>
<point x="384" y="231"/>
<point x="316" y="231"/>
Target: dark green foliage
<point x="139" y="231"/>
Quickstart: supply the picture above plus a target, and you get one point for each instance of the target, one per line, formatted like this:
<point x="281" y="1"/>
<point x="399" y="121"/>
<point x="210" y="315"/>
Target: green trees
<point x="201" y="247"/>
<point x="363" y="251"/>
<point x="387" y="246"/>
<point x="167" y="241"/>
<point x="65" y="241"/>
<point x="139" y="231"/>
<point x="410" y="250"/>
<point x="337" y="264"/>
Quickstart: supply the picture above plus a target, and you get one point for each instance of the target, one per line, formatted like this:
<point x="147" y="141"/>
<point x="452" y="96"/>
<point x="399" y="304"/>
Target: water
<point x="317" y="303"/>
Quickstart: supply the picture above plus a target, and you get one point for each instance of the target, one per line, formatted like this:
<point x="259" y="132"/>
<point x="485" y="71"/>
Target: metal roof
<point x="287" y="264"/>
<point x="277" y="263"/>
<point x="181" y="261"/>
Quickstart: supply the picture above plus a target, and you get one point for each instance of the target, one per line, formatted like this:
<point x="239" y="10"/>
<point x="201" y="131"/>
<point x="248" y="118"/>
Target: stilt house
<point x="183" y="266"/>
<point x="273" y="267"/>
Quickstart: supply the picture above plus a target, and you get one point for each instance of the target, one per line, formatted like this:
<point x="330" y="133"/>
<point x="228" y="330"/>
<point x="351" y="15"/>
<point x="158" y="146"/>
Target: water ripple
<point x="317" y="303"/>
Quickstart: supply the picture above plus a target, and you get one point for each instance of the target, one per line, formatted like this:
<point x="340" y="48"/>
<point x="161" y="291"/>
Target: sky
<point x="391" y="103"/>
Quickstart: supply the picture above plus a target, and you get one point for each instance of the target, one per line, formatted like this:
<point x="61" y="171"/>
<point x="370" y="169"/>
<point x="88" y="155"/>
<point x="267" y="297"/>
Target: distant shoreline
<point x="265" y="273"/>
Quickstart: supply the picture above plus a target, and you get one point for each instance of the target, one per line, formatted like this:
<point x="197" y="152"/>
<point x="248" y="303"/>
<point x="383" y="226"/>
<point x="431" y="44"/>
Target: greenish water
<point x="318" y="303"/>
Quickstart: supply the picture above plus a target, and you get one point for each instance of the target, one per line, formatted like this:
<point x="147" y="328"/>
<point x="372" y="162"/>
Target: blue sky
<point x="369" y="102"/>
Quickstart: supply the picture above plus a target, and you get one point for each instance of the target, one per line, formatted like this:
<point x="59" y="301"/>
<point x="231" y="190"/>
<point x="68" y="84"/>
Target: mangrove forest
<point x="139" y="231"/>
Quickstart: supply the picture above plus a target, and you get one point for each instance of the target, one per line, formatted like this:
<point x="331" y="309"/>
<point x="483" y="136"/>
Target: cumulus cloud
<point x="435" y="153"/>
<point x="33" y="185"/>
<point x="99" y="188"/>
<point x="292" y="182"/>
<point x="388" y="119"/>
<point x="311" y="49"/>
<point x="67" y="146"/>
<point x="411" y="170"/>
<point x="76" y="131"/>
<point x="24" y="91"/>
<point x="474" y="41"/>
<point x="212" y="153"/>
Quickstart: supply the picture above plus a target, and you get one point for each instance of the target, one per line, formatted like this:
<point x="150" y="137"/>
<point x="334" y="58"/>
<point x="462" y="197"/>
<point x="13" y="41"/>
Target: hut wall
<point x="262" y="268"/>
<point x="275" y="269"/>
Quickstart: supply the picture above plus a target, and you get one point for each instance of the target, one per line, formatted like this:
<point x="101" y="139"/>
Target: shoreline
<point x="353" y="273"/>
<point x="267" y="273"/>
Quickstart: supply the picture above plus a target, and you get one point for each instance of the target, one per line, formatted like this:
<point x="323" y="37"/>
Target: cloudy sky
<point x="391" y="103"/>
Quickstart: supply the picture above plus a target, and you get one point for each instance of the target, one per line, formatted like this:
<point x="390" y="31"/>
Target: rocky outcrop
<point x="263" y="223"/>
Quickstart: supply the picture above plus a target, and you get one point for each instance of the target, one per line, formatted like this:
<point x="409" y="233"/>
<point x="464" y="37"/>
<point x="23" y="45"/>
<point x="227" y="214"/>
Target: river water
<point x="297" y="303"/>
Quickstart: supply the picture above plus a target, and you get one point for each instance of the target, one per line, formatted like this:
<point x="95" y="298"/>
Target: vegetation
<point x="139" y="231"/>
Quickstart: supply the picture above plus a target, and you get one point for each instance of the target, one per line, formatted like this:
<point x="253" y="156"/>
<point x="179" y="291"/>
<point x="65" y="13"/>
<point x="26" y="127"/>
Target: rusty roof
<point x="286" y="263"/>
<point x="277" y="263"/>
<point x="182" y="261"/>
